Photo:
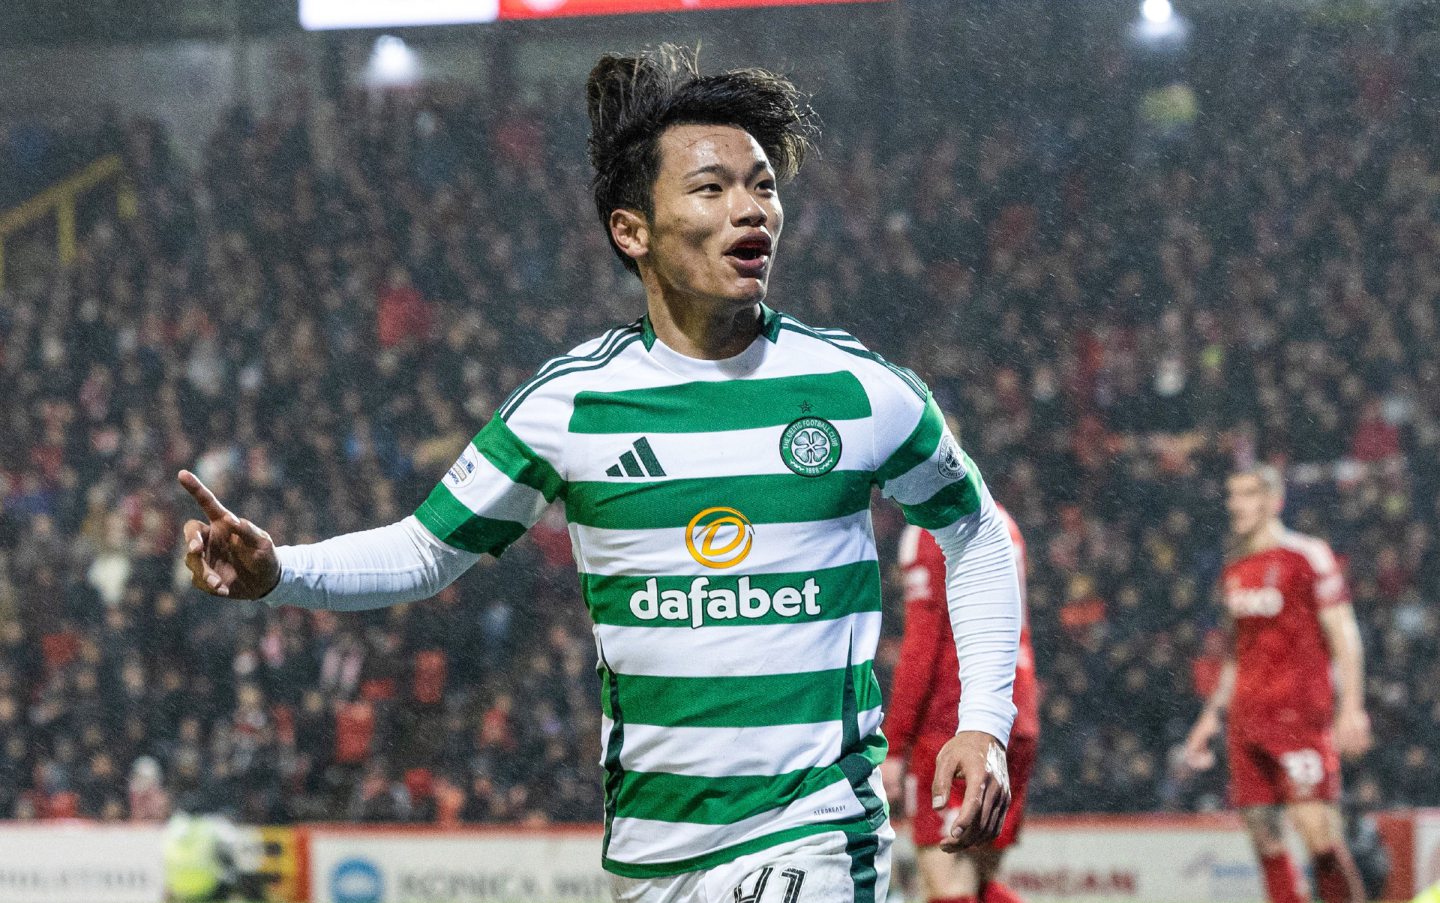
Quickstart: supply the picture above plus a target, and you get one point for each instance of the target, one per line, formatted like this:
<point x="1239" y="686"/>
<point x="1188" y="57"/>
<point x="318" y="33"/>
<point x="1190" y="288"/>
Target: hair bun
<point x="621" y="88"/>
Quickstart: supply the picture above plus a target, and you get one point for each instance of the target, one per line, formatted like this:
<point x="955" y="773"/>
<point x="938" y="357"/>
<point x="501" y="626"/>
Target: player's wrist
<point x="979" y="735"/>
<point x="284" y="563"/>
<point x="272" y="582"/>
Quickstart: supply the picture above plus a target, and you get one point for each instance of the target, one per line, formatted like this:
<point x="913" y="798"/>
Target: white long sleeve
<point x="402" y="562"/>
<point x="983" y="589"/>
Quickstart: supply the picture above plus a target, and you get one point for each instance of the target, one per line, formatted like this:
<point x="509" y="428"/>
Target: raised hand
<point x="979" y="759"/>
<point x="227" y="555"/>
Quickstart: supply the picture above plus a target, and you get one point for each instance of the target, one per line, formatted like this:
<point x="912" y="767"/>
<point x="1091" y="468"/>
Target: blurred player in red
<point x="922" y="715"/>
<point x="1288" y="611"/>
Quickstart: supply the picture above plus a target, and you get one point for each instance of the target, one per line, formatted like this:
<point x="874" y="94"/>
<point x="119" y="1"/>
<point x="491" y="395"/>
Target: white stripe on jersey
<point x="725" y="453"/>
<point x="756" y="650"/>
<point x="921" y="482"/>
<point x="779" y="548"/>
<point x="721" y="752"/>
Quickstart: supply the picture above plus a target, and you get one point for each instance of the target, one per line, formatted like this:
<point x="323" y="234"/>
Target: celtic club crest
<point x="952" y="462"/>
<point x="810" y="446"/>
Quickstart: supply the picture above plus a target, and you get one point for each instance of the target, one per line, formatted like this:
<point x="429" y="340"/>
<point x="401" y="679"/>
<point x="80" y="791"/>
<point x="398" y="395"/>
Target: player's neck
<point x="702" y="331"/>
<point x="1266" y="536"/>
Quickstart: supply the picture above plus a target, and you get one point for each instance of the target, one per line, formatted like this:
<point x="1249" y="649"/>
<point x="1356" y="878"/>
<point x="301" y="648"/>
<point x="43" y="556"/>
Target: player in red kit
<point x="921" y="717"/>
<point x="1289" y="613"/>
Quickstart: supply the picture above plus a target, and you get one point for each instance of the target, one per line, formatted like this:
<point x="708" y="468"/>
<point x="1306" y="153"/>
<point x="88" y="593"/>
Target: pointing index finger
<point x="203" y="497"/>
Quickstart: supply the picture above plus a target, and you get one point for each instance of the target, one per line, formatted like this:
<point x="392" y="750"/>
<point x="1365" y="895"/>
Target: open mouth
<point x="750" y="254"/>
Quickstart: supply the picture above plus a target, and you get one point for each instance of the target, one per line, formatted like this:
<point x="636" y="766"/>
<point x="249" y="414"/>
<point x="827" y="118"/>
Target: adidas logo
<point x="639" y="462"/>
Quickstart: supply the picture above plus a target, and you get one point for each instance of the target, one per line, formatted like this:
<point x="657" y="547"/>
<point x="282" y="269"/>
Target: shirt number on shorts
<point x="1304" y="767"/>
<point x="794" y="878"/>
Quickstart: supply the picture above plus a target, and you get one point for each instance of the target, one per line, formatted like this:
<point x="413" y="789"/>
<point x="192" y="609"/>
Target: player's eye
<point x="767" y="185"/>
<point x="710" y="186"/>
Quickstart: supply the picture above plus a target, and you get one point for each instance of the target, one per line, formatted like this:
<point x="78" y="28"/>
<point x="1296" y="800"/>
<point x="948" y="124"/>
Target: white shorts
<point x="833" y="867"/>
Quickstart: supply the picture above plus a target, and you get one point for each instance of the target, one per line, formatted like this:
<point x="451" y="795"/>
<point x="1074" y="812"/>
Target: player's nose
<point x="748" y="211"/>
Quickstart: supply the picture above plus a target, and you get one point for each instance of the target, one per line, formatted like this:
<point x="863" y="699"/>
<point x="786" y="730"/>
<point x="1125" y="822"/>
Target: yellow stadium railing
<point x="61" y="200"/>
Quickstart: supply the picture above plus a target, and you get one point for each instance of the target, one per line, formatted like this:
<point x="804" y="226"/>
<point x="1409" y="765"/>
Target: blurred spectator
<point x="147" y="797"/>
<point x="404" y="316"/>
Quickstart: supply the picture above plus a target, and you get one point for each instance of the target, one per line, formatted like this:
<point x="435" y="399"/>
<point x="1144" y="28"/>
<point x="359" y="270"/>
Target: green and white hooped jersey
<point x="719" y="513"/>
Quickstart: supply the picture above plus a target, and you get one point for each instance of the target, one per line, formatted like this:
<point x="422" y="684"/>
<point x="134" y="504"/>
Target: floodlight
<point x="392" y="63"/>
<point x="1159" y="26"/>
<point x="320" y="14"/>
<point x="1157" y="12"/>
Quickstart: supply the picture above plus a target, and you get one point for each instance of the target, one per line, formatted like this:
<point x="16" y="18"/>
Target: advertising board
<point x="1427" y="848"/>
<point x="1078" y="859"/>
<point x="1175" y="860"/>
<point x="481" y="866"/>
<point x="80" y="863"/>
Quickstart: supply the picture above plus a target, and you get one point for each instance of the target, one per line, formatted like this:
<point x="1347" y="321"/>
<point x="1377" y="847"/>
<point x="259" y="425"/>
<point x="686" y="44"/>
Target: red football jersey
<point x="926" y="694"/>
<point x="1282" y="680"/>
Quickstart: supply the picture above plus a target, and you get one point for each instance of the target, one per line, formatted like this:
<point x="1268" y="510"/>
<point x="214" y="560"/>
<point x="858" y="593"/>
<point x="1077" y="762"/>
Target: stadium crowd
<point x="320" y="315"/>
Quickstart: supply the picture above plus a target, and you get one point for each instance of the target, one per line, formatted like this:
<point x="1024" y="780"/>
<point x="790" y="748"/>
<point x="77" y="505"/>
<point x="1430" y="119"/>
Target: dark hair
<point x="632" y="100"/>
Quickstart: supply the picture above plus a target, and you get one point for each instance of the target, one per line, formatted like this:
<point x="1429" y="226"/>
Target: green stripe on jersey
<point x="453" y="523"/>
<point x="658" y="796"/>
<point x="708" y="407"/>
<point x="844" y="590"/>
<point x="784" y="498"/>
<point x="959" y="499"/>
<point x="863" y="874"/>
<point x="807" y="697"/>
<point x="918" y="448"/>
<point x="512" y="457"/>
<point x="715" y="800"/>
<point x="852" y="827"/>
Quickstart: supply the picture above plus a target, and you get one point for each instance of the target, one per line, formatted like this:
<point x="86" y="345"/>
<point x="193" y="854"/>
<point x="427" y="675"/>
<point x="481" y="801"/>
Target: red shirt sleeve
<point x="927" y="630"/>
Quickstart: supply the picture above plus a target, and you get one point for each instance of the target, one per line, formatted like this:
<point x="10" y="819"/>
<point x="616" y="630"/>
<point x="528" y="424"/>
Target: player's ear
<point x="631" y="232"/>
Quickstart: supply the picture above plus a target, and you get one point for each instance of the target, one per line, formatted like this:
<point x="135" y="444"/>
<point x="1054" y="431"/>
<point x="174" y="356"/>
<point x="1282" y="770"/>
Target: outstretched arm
<point x="390" y="565"/>
<point x="492" y="494"/>
<point x="231" y="557"/>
